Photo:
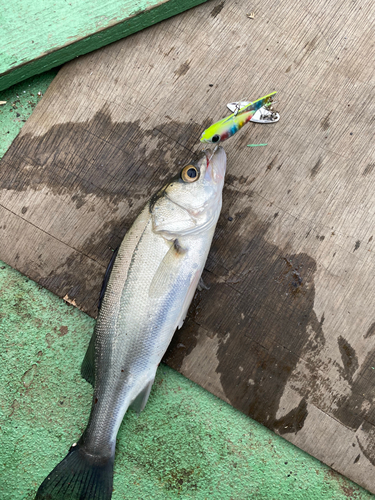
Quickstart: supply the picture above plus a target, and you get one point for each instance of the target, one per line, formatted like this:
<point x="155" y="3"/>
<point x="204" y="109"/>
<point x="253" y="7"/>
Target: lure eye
<point x="215" y="138"/>
<point x="189" y="174"/>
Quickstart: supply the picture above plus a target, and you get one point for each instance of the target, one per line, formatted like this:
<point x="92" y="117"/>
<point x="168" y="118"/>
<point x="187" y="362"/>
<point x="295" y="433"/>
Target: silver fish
<point x="151" y="285"/>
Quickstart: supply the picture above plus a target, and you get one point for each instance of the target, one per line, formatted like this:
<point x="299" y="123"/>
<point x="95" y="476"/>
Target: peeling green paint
<point x="20" y="99"/>
<point x="187" y="444"/>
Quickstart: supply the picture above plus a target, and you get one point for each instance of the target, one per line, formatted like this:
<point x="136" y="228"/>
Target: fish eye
<point x="189" y="173"/>
<point x="215" y="138"/>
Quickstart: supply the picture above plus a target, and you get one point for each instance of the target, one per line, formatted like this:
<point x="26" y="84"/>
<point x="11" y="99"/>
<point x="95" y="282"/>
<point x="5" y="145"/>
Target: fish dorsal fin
<point x="106" y="277"/>
<point x="88" y="363"/>
<point x="141" y="399"/>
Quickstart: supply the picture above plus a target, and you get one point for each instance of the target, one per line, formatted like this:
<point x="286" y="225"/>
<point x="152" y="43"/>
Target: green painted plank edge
<point x="68" y="30"/>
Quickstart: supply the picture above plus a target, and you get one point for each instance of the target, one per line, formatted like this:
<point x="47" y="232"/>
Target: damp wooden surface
<point x="286" y="331"/>
<point x="38" y="36"/>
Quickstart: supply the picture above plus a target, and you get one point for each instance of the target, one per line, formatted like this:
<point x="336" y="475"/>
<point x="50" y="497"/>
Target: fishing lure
<point x="228" y="126"/>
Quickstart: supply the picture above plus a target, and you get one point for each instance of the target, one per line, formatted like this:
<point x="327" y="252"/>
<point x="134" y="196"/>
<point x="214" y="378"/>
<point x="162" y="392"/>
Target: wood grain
<point x="286" y="331"/>
<point x="37" y="36"/>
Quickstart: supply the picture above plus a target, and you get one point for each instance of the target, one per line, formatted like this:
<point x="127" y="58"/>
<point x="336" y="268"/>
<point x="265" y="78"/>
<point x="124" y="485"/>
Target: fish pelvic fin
<point x="80" y="476"/>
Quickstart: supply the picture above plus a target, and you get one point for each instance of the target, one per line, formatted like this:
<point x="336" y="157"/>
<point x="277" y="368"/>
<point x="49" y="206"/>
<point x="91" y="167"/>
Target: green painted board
<point x="38" y="36"/>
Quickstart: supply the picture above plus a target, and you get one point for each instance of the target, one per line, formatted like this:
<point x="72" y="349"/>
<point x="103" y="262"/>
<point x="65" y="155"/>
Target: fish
<point x="147" y="294"/>
<point x="228" y="126"/>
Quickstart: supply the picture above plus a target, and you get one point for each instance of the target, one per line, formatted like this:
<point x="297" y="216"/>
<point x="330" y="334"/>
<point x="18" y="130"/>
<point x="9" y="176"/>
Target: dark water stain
<point x="316" y="168"/>
<point x="233" y="179"/>
<point x="184" y="340"/>
<point x="183" y="69"/>
<point x="358" y="406"/>
<point x="76" y="278"/>
<point x="368" y="169"/>
<point x="292" y="421"/>
<point x="306" y="50"/>
<point x="349" y="359"/>
<point x="322" y="320"/>
<point x="216" y="10"/>
<point x="272" y="163"/>
<point x="368" y="448"/>
<point x="115" y="162"/>
<point x="260" y="306"/>
<point x="357" y="245"/>
<point x="370" y="332"/>
<point x="325" y="122"/>
<point x="108" y="160"/>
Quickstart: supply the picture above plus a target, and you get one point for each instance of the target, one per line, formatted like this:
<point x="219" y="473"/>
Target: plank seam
<point x="51" y="236"/>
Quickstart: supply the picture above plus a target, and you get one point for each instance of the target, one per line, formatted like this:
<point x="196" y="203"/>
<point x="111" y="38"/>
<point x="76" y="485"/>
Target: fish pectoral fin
<point x="140" y="401"/>
<point x="88" y="363"/>
<point x="169" y="268"/>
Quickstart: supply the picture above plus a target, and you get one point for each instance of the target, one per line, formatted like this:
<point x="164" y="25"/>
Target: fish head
<point x="191" y="201"/>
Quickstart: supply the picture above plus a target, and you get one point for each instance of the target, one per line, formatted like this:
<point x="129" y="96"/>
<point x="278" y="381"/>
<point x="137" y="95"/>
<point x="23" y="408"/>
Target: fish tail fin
<point x="80" y="476"/>
<point x="259" y="103"/>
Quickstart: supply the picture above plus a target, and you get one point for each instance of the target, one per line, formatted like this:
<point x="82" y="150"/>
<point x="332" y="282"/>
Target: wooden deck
<point x="286" y="332"/>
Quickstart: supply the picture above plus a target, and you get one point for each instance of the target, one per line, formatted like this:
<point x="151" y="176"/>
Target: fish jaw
<point x="216" y="166"/>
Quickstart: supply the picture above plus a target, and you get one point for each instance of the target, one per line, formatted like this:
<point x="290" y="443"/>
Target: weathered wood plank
<point x="37" y="36"/>
<point x="286" y="331"/>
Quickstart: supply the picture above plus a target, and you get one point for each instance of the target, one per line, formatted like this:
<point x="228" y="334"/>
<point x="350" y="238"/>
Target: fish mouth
<point x="216" y="163"/>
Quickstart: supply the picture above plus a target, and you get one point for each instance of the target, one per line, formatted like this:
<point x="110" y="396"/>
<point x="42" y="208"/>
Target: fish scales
<point x="143" y="325"/>
<point x="150" y="287"/>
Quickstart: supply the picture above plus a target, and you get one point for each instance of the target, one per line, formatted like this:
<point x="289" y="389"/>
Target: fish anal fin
<point x="140" y="401"/>
<point x="88" y="363"/>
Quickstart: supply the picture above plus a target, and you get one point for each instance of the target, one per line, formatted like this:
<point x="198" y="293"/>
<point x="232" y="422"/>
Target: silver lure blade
<point x="262" y="115"/>
<point x="236" y="106"/>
